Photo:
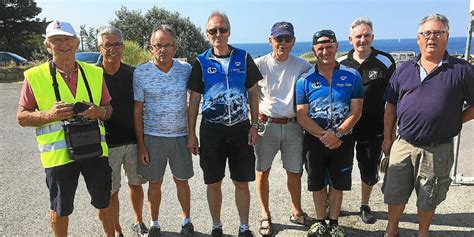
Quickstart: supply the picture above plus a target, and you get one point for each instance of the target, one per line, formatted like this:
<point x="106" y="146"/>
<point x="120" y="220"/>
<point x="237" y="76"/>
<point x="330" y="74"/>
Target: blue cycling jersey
<point x="329" y="104"/>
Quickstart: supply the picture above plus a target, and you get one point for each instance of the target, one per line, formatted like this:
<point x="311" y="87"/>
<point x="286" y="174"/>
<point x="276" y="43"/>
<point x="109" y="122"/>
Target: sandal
<point x="266" y="230"/>
<point x="302" y="220"/>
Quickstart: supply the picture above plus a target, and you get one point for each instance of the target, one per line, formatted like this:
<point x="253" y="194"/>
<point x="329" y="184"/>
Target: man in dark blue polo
<point x="426" y="95"/>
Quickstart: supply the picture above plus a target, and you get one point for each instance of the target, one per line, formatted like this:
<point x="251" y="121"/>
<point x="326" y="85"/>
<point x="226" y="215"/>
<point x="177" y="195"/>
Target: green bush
<point x="309" y="56"/>
<point x="134" y="54"/>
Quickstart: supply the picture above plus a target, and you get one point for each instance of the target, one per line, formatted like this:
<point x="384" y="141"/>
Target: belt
<point x="265" y="118"/>
<point x="415" y="143"/>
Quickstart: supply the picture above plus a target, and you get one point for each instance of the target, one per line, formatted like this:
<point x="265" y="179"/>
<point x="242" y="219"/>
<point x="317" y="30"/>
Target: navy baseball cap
<point x="324" y="33"/>
<point x="283" y="28"/>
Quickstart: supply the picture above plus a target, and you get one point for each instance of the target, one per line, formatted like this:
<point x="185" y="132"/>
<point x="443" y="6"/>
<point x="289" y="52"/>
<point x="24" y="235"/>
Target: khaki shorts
<point x="125" y="155"/>
<point x="286" y="138"/>
<point x="423" y="168"/>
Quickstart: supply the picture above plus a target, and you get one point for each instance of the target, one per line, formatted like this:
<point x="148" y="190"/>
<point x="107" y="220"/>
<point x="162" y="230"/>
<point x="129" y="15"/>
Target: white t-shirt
<point x="277" y="88"/>
<point x="165" y="98"/>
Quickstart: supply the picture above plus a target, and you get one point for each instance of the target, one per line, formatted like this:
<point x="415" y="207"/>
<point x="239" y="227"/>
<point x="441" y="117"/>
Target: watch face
<point x="260" y="127"/>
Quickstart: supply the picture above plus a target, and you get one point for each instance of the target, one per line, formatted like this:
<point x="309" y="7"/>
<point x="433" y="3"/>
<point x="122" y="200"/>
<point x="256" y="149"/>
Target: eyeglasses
<point x="324" y="33"/>
<point x="117" y="45"/>
<point x="427" y="34"/>
<point x="214" y="31"/>
<point x="281" y="38"/>
<point x="162" y="46"/>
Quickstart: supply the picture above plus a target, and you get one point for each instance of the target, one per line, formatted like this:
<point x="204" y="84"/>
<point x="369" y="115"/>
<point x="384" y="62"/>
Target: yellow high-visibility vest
<point x="50" y="137"/>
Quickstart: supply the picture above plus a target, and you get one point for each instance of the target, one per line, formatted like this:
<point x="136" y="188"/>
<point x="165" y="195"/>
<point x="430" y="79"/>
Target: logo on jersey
<point x="373" y="75"/>
<point x="237" y="64"/>
<point x="316" y="85"/>
<point x="343" y="78"/>
<point x="211" y="70"/>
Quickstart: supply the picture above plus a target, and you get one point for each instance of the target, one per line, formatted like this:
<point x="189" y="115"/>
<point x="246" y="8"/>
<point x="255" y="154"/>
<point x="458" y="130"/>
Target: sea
<point x="456" y="45"/>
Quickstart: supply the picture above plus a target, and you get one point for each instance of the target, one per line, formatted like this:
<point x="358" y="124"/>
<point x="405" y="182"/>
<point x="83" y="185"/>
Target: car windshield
<point x="88" y="57"/>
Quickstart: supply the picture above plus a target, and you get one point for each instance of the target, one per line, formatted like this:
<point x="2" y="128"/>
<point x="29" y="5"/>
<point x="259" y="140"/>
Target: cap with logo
<point x="59" y="28"/>
<point x="324" y="33"/>
<point x="283" y="28"/>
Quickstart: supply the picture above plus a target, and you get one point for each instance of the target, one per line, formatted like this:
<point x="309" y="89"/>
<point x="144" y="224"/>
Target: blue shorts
<point x="62" y="183"/>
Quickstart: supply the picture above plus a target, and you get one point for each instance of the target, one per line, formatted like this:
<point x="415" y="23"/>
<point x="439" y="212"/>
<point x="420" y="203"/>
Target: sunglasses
<point x="214" y="31"/>
<point x="281" y="38"/>
<point x="428" y="34"/>
<point x="162" y="46"/>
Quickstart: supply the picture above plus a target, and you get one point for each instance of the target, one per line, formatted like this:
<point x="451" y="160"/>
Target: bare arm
<point x="354" y="115"/>
<point x="32" y="118"/>
<point x="193" y="110"/>
<point x="306" y="122"/>
<point x="390" y="117"/>
<point x="468" y="114"/>
<point x="253" y="98"/>
<point x="143" y="155"/>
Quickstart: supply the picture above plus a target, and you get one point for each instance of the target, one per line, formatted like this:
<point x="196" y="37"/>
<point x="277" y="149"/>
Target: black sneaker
<point x="187" y="230"/>
<point x="154" y="232"/>
<point x="366" y="215"/>
<point x="217" y="232"/>
<point x="247" y="233"/>
<point x="336" y="231"/>
<point x="139" y="229"/>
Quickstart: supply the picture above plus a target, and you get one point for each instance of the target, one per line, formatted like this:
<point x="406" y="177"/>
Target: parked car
<point x="89" y="57"/>
<point x="8" y="57"/>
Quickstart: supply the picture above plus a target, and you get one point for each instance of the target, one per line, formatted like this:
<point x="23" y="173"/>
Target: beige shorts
<point x="125" y="155"/>
<point x="423" y="168"/>
<point x="286" y="138"/>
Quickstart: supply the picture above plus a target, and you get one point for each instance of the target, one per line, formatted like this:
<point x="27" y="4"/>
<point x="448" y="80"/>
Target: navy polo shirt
<point x="431" y="110"/>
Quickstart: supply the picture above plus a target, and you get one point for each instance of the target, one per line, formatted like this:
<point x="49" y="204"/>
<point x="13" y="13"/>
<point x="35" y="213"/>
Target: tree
<point x="88" y="38"/>
<point x="138" y="28"/>
<point x="20" y="29"/>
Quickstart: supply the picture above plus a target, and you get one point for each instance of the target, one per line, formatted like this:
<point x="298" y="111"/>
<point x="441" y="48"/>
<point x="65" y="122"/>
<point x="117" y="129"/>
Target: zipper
<point x="228" y="88"/>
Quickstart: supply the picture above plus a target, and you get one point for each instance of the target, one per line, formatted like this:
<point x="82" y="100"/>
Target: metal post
<point x="468" y="40"/>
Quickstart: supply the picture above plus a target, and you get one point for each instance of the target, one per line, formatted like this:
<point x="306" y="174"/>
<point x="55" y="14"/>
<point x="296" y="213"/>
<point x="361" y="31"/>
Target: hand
<point x="61" y="111"/>
<point x="252" y="136"/>
<point x="193" y="144"/>
<point x="92" y="113"/>
<point x="143" y="155"/>
<point x="330" y="140"/>
<point x="386" y="146"/>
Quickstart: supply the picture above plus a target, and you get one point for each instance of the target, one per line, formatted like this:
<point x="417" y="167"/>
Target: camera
<point x="80" y="107"/>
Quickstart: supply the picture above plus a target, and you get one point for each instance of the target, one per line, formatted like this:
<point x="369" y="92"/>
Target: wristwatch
<point x="105" y="112"/>
<point x="258" y="126"/>
<point x="339" y="134"/>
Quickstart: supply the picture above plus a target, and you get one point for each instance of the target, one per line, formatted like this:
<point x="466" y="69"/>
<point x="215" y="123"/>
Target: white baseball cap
<point x="59" y="28"/>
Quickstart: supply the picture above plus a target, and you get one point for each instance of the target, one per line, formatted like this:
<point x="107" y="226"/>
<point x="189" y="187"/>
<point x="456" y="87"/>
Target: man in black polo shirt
<point x="376" y="68"/>
<point x="426" y="95"/>
<point x="120" y="132"/>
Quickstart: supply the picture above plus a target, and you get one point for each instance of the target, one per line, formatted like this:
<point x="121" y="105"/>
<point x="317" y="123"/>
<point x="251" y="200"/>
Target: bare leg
<point x="154" y="198"/>
<point x="394" y="214"/>
<point x="425" y="221"/>
<point x="293" y="184"/>
<point x="136" y="198"/>
<point x="263" y="192"/>
<point x="59" y="224"/>
<point x="335" y="202"/>
<point x="366" y="190"/>
<point x="214" y="199"/>
<point x="320" y="200"/>
<point x="106" y="217"/>
<point x="115" y="210"/>
<point x="242" y="201"/>
<point x="184" y="196"/>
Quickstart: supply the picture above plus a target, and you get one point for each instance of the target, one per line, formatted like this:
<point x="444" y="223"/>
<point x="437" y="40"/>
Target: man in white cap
<point x="48" y="101"/>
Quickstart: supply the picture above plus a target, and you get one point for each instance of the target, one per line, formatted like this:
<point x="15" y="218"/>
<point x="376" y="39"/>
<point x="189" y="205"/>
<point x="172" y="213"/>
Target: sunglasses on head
<point x="281" y="38"/>
<point x="214" y="31"/>
<point x="324" y="33"/>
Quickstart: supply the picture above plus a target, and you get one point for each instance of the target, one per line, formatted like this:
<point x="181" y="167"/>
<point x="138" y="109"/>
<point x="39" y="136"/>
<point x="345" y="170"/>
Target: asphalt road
<point x="24" y="208"/>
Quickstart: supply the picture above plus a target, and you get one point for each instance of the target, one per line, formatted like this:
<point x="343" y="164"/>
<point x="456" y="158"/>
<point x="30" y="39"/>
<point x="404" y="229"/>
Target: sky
<point x="251" y="21"/>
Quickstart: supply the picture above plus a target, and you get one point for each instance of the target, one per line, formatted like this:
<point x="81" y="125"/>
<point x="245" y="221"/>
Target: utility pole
<point x="467" y="54"/>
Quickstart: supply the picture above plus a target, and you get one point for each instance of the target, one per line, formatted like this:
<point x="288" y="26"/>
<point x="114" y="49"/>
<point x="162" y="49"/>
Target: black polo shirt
<point x="375" y="71"/>
<point x="430" y="111"/>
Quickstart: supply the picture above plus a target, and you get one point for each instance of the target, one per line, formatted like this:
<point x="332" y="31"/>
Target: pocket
<point x="437" y="188"/>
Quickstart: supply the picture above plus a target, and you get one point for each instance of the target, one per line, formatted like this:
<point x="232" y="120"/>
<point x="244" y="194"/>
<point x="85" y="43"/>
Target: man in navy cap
<point x="277" y="117"/>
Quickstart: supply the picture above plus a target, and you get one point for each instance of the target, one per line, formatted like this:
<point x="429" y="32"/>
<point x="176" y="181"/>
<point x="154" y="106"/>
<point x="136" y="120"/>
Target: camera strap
<point x="52" y="69"/>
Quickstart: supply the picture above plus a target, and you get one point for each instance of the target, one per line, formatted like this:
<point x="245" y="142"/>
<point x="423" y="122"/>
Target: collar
<point x="373" y="53"/>
<point x="336" y="67"/>
<point x="445" y="59"/>
<point x="211" y="54"/>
